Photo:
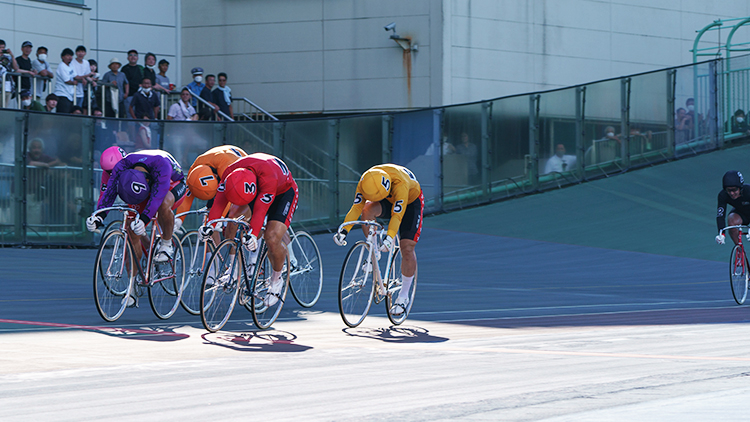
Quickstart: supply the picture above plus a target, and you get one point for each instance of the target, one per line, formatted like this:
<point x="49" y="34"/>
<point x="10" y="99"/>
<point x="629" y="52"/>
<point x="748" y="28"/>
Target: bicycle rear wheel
<point x="264" y="315"/>
<point x="306" y="278"/>
<point x="356" y="286"/>
<point x="738" y="274"/>
<point x="166" y="280"/>
<point x="220" y="286"/>
<point x="197" y="254"/>
<point x="393" y="283"/>
<point x="113" y="275"/>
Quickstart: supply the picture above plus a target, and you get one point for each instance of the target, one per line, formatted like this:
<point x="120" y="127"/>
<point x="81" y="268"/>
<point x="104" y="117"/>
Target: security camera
<point x="390" y="27"/>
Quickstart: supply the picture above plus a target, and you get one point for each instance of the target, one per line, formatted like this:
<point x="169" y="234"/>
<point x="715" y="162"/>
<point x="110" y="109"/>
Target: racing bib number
<point x="398" y="206"/>
<point x="357" y="198"/>
<point x="267" y="198"/>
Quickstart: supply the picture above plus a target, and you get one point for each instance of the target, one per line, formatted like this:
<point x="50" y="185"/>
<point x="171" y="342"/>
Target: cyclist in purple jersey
<point x="151" y="181"/>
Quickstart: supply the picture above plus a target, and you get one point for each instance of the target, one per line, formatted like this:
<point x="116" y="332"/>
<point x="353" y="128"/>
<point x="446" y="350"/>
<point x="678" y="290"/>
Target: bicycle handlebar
<point x="229" y="220"/>
<point x="740" y="226"/>
<point x="363" y="223"/>
<point x="117" y="208"/>
<point x="203" y="210"/>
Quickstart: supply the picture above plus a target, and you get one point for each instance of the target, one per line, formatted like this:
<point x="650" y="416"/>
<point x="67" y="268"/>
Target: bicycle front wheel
<point x="113" y="275"/>
<point x="197" y="254"/>
<point x="264" y="315"/>
<point x="165" y="282"/>
<point x="393" y="283"/>
<point x="356" y="285"/>
<point x="220" y="286"/>
<point x="738" y="274"/>
<point x="306" y="277"/>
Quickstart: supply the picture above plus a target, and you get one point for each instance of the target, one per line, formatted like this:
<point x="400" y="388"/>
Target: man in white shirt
<point x="41" y="65"/>
<point x="82" y="68"/>
<point x="560" y="162"/>
<point x="182" y="110"/>
<point x="65" y="82"/>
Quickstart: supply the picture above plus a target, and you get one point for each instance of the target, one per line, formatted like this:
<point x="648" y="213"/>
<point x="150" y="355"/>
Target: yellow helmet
<point x="203" y="182"/>
<point x="375" y="185"/>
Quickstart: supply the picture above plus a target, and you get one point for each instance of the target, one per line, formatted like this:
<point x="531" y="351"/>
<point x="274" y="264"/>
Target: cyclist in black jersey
<point x="737" y="194"/>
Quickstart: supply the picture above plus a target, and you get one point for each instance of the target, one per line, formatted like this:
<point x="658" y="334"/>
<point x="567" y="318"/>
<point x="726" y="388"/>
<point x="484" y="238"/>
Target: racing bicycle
<point x="197" y="251"/>
<point x="738" y="265"/>
<point x="117" y="272"/>
<point x="361" y="282"/>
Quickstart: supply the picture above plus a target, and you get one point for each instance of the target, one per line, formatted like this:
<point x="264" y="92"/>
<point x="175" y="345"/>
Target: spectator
<point x="560" y="162"/>
<point x="208" y="96"/>
<point x="609" y="134"/>
<point x="205" y="114"/>
<point x="145" y="104"/>
<point x="95" y="90"/>
<point x="28" y="104"/>
<point x="471" y="152"/>
<point x="36" y="156"/>
<point x="143" y="139"/>
<point x="134" y="73"/>
<point x="7" y="64"/>
<point x="23" y="65"/>
<point x="739" y="124"/>
<point x="77" y="110"/>
<point x="182" y="110"/>
<point x="682" y="124"/>
<point x="83" y="74"/>
<point x="65" y="82"/>
<point x="448" y="148"/>
<point x="197" y="85"/>
<point x="41" y="65"/>
<point x="149" y="70"/>
<point x="222" y="96"/>
<point x="50" y="103"/>
<point x="162" y="79"/>
<point x="97" y="112"/>
<point x="114" y="76"/>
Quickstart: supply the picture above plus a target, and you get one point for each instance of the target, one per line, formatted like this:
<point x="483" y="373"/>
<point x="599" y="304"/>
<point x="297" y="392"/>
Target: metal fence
<point x="462" y="155"/>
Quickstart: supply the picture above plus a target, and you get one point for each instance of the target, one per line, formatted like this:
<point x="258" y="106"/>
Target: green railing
<point x="463" y="155"/>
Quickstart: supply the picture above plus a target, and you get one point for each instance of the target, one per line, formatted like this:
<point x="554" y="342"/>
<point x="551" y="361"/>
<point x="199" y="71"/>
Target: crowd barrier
<point x="463" y="155"/>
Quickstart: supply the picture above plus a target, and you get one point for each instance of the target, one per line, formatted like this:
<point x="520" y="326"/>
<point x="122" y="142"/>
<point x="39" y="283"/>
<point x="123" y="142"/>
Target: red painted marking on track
<point x="90" y="327"/>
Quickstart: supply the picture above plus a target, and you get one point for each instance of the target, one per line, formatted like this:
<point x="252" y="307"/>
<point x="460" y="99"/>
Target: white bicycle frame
<point x="374" y="239"/>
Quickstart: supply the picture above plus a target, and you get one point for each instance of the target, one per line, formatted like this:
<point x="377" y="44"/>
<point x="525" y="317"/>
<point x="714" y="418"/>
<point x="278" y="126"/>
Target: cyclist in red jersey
<point x="262" y="186"/>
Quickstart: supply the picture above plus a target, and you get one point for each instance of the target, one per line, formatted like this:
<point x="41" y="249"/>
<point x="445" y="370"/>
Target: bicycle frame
<point x="203" y="211"/>
<point x="374" y="240"/>
<point x="242" y="227"/>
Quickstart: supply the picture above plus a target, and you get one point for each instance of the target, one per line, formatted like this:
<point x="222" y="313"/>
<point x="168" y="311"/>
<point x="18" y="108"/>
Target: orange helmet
<point x="240" y="186"/>
<point x="375" y="184"/>
<point x="203" y="182"/>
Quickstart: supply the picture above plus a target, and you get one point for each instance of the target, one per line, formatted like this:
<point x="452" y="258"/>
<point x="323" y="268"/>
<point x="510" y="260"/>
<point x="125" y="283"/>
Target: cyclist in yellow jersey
<point x="391" y="189"/>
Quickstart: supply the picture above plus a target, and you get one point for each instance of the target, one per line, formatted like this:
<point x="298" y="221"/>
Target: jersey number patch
<point x="357" y="198"/>
<point x="397" y="206"/>
<point x="386" y="183"/>
<point x="267" y="198"/>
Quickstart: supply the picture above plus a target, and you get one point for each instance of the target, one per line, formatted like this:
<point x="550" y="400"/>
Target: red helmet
<point x="240" y="186"/>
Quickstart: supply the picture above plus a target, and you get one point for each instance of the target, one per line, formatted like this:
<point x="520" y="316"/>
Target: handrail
<point x="196" y="96"/>
<point x="17" y="88"/>
<point x="263" y="112"/>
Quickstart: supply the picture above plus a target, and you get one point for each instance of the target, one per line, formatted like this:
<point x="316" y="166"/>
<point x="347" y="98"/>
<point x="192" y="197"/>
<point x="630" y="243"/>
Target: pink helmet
<point x="110" y="157"/>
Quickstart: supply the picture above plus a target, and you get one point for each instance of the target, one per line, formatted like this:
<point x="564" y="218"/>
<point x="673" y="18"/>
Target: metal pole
<point x="580" y="151"/>
<point x="486" y="119"/>
<point x="534" y="101"/>
<point x="333" y="170"/>
<point x="625" y="122"/>
<point x="671" y="80"/>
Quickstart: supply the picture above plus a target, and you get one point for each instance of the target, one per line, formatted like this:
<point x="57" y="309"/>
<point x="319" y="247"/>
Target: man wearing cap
<point x="65" y="82"/>
<point x="41" y="65"/>
<point x="28" y="104"/>
<point x="118" y="78"/>
<point x="197" y="85"/>
<point x="23" y="65"/>
<point x="134" y="72"/>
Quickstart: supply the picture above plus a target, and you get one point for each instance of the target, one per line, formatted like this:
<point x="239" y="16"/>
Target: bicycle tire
<point x="219" y="295"/>
<point x="738" y="274"/>
<point x="115" y="224"/>
<point x="166" y="280"/>
<point x="393" y="283"/>
<point x="113" y="275"/>
<point x="264" y="316"/>
<point x="306" y="277"/>
<point x="195" y="264"/>
<point x="356" y="287"/>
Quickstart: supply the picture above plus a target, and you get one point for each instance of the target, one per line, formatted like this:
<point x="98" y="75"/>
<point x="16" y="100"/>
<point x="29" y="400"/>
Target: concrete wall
<point x="505" y="47"/>
<point x="315" y="55"/>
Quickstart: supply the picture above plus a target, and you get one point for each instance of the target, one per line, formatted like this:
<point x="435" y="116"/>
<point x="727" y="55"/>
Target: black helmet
<point x="732" y="179"/>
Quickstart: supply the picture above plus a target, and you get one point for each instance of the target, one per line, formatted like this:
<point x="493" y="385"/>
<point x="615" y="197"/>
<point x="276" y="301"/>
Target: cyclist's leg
<point x="734" y="219"/>
<point x="166" y="216"/>
<point x="274" y="236"/>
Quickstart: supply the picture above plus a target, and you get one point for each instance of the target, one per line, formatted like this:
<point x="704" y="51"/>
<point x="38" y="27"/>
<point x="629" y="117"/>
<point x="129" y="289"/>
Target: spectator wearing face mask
<point x="739" y="123"/>
<point x="28" y="104"/>
<point x="41" y="65"/>
<point x="144" y="105"/>
<point x="197" y="85"/>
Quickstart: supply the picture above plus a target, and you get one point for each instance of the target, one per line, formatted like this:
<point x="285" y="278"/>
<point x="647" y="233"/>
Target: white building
<point x="334" y="56"/>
